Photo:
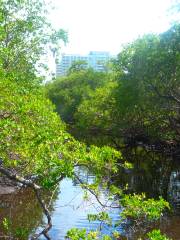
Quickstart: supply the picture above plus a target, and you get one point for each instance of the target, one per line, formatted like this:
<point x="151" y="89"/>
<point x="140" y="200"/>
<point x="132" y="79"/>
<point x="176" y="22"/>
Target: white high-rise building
<point x="97" y="60"/>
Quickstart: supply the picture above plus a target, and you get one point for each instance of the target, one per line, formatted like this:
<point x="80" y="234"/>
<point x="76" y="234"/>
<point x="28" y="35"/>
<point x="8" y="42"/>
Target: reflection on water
<point x="22" y="213"/>
<point x="152" y="174"/>
<point x="169" y="225"/>
<point x="155" y="175"/>
<point x="174" y="189"/>
<point x="70" y="209"/>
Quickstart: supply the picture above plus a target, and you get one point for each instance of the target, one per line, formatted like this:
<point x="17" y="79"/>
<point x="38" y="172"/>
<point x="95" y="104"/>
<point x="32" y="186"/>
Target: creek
<point x="155" y="176"/>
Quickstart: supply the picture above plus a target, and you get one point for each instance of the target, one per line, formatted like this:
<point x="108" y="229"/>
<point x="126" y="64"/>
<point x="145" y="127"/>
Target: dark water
<point x="22" y="212"/>
<point x="152" y="174"/>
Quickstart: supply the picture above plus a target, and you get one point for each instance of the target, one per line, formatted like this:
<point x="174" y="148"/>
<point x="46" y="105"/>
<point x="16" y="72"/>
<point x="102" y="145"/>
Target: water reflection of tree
<point x="23" y="213"/>
<point x="156" y="175"/>
<point x="174" y="189"/>
<point x="84" y="174"/>
<point x="151" y="173"/>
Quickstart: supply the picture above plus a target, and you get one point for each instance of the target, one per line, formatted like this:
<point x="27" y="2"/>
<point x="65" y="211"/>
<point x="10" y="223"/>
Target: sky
<point x="105" y="25"/>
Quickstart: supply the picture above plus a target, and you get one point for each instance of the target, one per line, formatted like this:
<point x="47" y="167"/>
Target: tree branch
<point x="36" y="188"/>
<point x="171" y="97"/>
<point x="94" y="194"/>
<point x="17" y="178"/>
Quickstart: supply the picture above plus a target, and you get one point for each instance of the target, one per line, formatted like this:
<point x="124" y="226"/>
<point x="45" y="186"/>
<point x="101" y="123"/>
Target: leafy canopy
<point x="25" y="35"/>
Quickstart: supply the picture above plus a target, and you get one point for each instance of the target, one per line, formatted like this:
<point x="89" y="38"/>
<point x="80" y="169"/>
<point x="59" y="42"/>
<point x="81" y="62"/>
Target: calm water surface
<point x="69" y="209"/>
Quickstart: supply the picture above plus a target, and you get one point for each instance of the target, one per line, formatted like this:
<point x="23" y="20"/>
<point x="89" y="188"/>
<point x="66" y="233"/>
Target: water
<point x="69" y="209"/>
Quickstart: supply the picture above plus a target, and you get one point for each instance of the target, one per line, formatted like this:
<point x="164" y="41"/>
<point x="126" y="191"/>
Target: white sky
<point x="104" y="25"/>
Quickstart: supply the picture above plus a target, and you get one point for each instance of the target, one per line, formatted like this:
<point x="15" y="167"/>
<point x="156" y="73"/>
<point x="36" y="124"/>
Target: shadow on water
<point x="152" y="174"/>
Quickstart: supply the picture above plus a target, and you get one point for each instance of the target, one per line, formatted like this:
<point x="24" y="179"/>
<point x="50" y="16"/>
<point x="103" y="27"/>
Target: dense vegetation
<point x="139" y="102"/>
<point x="37" y="151"/>
<point x="68" y="93"/>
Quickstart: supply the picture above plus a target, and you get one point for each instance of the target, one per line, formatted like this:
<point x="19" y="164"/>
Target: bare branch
<point x="94" y="194"/>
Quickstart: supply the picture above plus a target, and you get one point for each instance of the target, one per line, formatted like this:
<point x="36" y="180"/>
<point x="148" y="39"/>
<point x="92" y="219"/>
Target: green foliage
<point x="33" y="139"/>
<point x="18" y="232"/>
<point x="68" y="92"/>
<point x="156" y="235"/>
<point x="21" y="232"/>
<point x="137" y="207"/>
<point x="6" y="224"/>
<point x="102" y="217"/>
<point x="151" y="211"/>
<point x="76" y="234"/>
<point x="141" y="100"/>
<point x="95" y="112"/>
<point x="82" y="234"/>
<point x="77" y="66"/>
<point x="25" y="35"/>
<point x="148" y="77"/>
<point x="30" y="131"/>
